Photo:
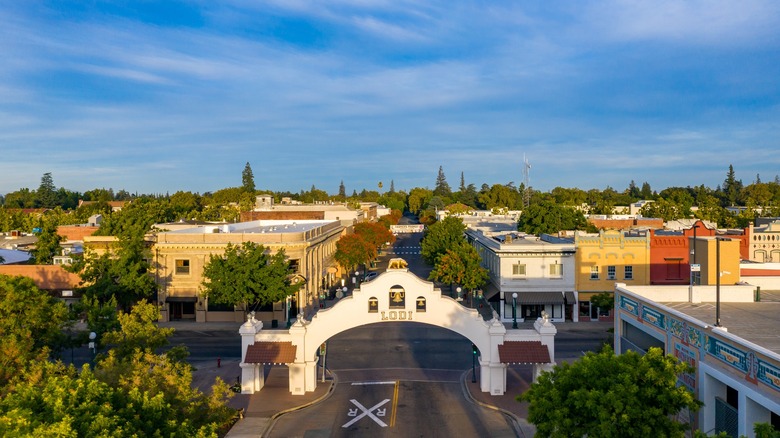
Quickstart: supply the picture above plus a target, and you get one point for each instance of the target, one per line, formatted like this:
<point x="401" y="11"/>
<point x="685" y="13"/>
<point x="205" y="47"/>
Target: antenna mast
<point x="526" y="182"/>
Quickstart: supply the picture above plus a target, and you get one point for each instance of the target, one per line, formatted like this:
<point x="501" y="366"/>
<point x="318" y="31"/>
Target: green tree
<point x="546" y="218"/>
<point x="248" y="179"/>
<point x="500" y="196"/>
<point x="123" y="272"/>
<point x="662" y="208"/>
<point x="418" y="199"/>
<point x="442" y="188"/>
<point x="342" y="192"/>
<point x="31" y="326"/>
<point x="48" y="244"/>
<point x="608" y="395"/>
<point x="248" y="275"/>
<point x="137" y="331"/>
<point x="732" y="188"/>
<point x="460" y="264"/>
<point x="440" y="237"/>
<point x="46" y="196"/>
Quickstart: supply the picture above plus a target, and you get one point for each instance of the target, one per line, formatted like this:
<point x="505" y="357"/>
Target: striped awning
<point x="523" y="352"/>
<point x="537" y="297"/>
<point x="569" y="296"/>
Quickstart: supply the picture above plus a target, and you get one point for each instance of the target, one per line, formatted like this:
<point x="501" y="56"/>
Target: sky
<point x="162" y="96"/>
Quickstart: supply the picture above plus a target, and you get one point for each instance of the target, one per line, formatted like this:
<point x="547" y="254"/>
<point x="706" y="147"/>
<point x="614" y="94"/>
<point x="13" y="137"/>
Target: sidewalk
<point x="272" y="401"/>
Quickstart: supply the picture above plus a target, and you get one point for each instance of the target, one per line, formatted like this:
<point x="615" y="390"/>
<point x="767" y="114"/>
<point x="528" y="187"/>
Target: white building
<point x="736" y="365"/>
<point x="538" y="269"/>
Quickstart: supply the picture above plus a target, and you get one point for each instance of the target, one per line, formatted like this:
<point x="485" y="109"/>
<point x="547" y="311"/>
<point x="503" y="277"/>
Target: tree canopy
<point x="460" y="264"/>
<point x="547" y="218"/>
<point x="608" y="395"/>
<point x="440" y="237"/>
<point x="247" y="274"/>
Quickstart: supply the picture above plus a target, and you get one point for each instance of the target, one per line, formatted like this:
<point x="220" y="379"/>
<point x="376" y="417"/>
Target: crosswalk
<point x="405" y="250"/>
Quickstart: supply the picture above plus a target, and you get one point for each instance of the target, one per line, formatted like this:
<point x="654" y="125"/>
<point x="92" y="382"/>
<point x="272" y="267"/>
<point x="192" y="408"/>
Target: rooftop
<point x="258" y="227"/>
<point x="754" y="322"/>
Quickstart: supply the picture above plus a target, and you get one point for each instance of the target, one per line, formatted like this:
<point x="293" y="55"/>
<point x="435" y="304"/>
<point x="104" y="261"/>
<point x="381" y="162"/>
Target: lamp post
<point x="717" y="282"/>
<point x="458" y="289"/>
<point x="514" y="310"/>
<point x="93" y="345"/>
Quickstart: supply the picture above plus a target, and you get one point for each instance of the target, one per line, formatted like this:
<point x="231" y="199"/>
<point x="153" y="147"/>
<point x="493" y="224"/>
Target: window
<point x="182" y="267"/>
<point x="594" y="272"/>
<point x="556" y="270"/>
<point x="628" y="272"/>
<point x="610" y="273"/>
<point x="518" y="270"/>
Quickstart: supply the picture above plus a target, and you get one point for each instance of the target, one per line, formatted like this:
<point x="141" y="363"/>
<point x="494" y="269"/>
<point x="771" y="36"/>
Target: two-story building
<point x="533" y="274"/>
<point x="764" y="242"/>
<point x="603" y="259"/>
<point x="181" y="255"/>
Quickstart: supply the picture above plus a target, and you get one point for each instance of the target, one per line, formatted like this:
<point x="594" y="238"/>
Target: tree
<point x="546" y="217"/>
<point x="137" y="331"/>
<point x="374" y="233"/>
<point x="440" y="237"/>
<point x="732" y="188"/>
<point x="122" y="272"/>
<point x="31" y="326"/>
<point x="353" y="250"/>
<point x="461" y="265"/>
<point x="608" y="395"/>
<point x="48" y="244"/>
<point x="46" y="196"/>
<point x="442" y="189"/>
<point x="500" y="196"/>
<point x="342" y="191"/>
<point x="248" y="179"/>
<point x="247" y="275"/>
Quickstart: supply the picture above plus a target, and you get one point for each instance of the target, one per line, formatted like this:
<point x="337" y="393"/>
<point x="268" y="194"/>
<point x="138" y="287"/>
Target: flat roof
<point x="754" y="322"/>
<point x="260" y="227"/>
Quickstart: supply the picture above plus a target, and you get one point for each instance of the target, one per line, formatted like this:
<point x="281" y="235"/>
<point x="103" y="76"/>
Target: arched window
<point x="373" y="305"/>
<point x="420" y="304"/>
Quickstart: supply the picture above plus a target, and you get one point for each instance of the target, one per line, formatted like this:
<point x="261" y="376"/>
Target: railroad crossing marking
<point x="367" y="412"/>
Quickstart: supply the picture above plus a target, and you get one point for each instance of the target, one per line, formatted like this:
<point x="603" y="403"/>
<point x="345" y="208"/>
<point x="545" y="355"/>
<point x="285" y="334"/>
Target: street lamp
<point x="458" y="289"/>
<point x="717" y="284"/>
<point x="514" y="310"/>
<point x="93" y="345"/>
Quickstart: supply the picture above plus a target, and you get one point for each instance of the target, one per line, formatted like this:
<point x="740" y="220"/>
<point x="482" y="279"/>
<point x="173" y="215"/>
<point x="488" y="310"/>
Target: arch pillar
<point x="492" y="371"/>
<point x="252" y="375"/>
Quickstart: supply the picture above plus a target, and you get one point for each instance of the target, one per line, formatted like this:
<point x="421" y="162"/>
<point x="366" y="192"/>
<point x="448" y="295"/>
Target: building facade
<point x="602" y="260"/>
<point x="532" y="274"/>
<point x="181" y="256"/>
<point x="735" y="366"/>
<point x="764" y="242"/>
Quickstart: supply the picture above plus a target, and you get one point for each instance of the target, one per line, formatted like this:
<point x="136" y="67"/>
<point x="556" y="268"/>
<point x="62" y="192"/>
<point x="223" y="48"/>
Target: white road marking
<point x="373" y="383"/>
<point x="367" y="412"/>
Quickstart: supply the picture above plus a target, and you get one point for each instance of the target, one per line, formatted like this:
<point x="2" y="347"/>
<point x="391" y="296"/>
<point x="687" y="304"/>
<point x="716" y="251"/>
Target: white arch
<point x="353" y="311"/>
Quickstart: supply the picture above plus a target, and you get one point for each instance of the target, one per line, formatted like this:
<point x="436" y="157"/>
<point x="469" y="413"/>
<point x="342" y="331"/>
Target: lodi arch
<point x="395" y="295"/>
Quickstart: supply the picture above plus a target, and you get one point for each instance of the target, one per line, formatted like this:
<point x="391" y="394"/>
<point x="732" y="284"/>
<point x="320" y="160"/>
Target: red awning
<point x="523" y="352"/>
<point x="270" y="353"/>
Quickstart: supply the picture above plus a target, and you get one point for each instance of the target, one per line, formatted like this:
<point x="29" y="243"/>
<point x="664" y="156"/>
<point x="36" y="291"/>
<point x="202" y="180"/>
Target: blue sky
<point x="156" y="97"/>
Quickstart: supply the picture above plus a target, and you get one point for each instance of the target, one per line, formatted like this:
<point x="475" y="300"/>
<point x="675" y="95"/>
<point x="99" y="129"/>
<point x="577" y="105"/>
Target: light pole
<point x="717" y="284"/>
<point x="514" y="310"/>
<point x="458" y="289"/>
<point x="93" y="345"/>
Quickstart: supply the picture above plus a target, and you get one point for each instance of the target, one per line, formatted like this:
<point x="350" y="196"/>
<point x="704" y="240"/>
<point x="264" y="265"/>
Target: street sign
<point x="695" y="267"/>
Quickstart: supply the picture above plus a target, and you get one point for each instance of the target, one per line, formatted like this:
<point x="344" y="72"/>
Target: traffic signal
<point x="474" y="349"/>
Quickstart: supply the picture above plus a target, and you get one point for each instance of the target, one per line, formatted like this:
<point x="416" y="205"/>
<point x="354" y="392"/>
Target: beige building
<point x="764" y="242"/>
<point x="181" y="256"/>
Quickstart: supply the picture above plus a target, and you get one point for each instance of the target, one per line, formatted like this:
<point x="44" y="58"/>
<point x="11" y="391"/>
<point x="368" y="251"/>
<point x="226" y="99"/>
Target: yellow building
<point x="181" y="255"/>
<point x="708" y="250"/>
<point x="603" y="259"/>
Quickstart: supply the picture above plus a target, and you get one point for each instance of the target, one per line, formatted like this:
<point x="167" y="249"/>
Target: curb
<point x="514" y="419"/>
<point x="272" y="421"/>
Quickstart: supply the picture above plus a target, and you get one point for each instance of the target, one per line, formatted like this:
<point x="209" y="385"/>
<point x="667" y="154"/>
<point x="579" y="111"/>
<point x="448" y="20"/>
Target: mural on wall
<point x="695" y="343"/>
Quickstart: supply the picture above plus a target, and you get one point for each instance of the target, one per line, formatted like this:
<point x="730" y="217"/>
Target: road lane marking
<point x="395" y="405"/>
<point x="388" y="382"/>
<point x="367" y="412"/>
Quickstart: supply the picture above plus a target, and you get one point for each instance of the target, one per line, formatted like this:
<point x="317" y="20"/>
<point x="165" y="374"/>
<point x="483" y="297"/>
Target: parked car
<point x="371" y="275"/>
